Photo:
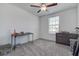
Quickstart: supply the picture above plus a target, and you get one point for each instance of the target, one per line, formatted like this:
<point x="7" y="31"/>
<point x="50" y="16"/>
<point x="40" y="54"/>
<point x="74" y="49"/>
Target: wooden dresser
<point x="64" y="38"/>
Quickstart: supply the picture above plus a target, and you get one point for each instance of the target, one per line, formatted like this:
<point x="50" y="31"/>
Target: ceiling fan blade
<point x="54" y="4"/>
<point x="38" y="11"/>
<point x="34" y="6"/>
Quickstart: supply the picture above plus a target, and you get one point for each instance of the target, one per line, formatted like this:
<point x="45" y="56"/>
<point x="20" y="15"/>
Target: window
<point x="53" y="24"/>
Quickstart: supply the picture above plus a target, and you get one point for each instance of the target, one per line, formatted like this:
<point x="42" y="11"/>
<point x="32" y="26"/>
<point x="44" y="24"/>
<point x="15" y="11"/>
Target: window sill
<point x="52" y="33"/>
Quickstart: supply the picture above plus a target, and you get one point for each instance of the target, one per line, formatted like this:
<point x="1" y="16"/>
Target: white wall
<point x="67" y="19"/>
<point x="13" y="17"/>
<point x="78" y="14"/>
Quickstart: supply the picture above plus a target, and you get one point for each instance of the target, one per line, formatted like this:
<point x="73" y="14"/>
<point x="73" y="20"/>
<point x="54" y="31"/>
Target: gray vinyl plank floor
<point x="41" y="48"/>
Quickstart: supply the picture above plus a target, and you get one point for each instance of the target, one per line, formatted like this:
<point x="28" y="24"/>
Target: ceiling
<point x="33" y="10"/>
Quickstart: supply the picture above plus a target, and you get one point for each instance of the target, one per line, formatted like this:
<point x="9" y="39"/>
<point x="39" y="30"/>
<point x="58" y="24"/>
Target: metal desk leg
<point x="28" y="38"/>
<point x="14" y="43"/>
<point x="32" y="37"/>
<point x="11" y="43"/>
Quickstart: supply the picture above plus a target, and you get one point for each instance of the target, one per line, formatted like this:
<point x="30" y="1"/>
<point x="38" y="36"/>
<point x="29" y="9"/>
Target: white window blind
<point x="53" y="24"/>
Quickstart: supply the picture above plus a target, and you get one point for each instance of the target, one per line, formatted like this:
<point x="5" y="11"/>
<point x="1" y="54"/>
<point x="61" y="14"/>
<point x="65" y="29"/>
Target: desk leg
<point x="14" y="43"/>
<point x="32" y="37"/>
<point x="11" y="43"/>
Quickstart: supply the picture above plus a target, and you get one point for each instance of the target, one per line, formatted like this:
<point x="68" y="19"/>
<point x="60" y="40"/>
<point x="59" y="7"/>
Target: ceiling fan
<point x="43" y="6"/>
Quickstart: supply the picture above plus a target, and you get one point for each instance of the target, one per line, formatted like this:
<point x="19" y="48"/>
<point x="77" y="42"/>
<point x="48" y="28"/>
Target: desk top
<point x="21" y="34"/>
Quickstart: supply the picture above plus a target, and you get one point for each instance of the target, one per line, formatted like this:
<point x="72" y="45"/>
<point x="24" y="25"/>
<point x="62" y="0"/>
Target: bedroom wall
<point x="12" y="17"/>
<point x="78" y="15"/>
<point x="67" y="19"/>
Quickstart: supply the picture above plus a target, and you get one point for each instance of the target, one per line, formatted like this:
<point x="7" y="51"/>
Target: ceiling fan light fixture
<point x="43" y="8"/>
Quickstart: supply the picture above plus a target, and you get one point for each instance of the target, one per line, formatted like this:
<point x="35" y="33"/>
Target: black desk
<point x="15" y="35"/>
